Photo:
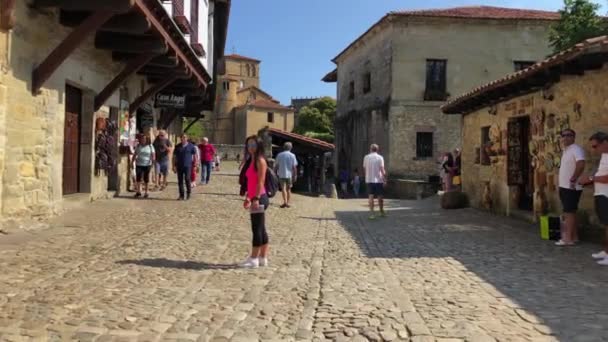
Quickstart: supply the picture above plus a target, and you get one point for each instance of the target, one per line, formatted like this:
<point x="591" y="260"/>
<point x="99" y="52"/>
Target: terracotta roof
<point x="241" y="57"/>
<point x="482" y="12"/>
<point x="494" y="91"/>
<point x="268" y="104"/>
<point x="331" y="76"/>
<point x="254" y="88"/>
<point x="469" y="12"/>
<point x="323" y="145"/>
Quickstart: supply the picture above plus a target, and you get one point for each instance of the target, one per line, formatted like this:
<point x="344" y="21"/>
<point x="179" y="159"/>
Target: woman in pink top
<point x="256" y="201"/>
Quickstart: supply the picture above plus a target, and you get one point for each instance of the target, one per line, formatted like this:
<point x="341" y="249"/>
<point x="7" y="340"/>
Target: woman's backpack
<point x="271" y="181"/>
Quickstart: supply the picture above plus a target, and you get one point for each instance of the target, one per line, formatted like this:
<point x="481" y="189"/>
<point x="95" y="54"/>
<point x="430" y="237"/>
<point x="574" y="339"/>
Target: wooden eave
<point x="139" y="33"/>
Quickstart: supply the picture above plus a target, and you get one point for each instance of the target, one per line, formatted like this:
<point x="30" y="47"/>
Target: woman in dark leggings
<point x="256" y="201"/>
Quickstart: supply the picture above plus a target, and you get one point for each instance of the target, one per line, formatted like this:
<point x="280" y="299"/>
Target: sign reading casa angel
<point x="164" y="100"/>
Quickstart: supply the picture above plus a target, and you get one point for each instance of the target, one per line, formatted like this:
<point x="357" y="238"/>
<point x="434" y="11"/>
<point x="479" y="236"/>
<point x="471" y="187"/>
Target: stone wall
<point x="395" y="54"/>
<point x="257" y="118"/>
<point x="32" y="127"/>
<point x="578" y="102"/>
<point x="230" y="152"/>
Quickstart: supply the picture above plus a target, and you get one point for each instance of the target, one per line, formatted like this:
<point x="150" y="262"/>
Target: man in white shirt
<point x="571" y="167"/>
<point x="375" y="177"/>
<point x="599" y="143"/>
<point x="287" y="170"/>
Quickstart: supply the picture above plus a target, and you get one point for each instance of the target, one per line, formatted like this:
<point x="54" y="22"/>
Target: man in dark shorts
<point x="375" y="177"/>
<point x="571" y="167"/>
<point x="599" y="144"/>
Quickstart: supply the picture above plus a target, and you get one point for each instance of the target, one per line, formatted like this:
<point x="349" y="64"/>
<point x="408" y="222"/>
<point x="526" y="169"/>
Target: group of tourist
<point x="349" y="182"/>
<point x="189" y="161"/>
<point x="572" y="181"/>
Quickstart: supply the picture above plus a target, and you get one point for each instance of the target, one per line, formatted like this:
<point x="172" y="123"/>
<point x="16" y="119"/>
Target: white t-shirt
<point x="373" y="163"/>
<point x="601" y="189"/>
<point x="571" y="155"/>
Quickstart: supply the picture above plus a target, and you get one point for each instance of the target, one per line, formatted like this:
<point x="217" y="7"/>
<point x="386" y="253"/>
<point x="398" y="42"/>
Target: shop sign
<point x="165" y="100"/>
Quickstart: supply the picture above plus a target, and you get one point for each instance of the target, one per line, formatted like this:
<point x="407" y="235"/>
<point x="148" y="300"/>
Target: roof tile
<point x="303" y="139"/>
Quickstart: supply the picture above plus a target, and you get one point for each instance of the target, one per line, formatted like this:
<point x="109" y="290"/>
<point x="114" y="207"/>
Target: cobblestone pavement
<point x="162" y="270"/>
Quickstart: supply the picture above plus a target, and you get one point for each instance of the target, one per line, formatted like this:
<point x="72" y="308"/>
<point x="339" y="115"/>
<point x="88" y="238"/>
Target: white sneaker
<point x="263" y="262"/>
<point x="250" y="263"/>
<point x="600" y="255"/>
<point x="603" y="262"/>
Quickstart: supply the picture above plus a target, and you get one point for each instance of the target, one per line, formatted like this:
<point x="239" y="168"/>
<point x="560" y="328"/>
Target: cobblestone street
<point x="163" y="270"/>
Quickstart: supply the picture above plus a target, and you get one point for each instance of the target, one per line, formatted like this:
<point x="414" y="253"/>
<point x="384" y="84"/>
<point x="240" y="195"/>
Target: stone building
<point x="77" y="82"/>
<point x="242" y="108"/>
<point x="392" y="80"/>
<point x="511" y="146"/>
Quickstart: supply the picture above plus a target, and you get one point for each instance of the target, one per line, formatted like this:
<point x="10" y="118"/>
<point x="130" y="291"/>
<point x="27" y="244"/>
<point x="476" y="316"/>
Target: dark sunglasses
<point x="252" y="145"/>
<point x="567" y="135"/>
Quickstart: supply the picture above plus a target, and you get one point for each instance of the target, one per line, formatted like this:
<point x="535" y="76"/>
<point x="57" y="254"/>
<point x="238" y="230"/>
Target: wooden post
<point x="150" y="92"/>
<point x="322" y="172"/>
<point x="44" y="71"/>
<point x="133" y="66"/>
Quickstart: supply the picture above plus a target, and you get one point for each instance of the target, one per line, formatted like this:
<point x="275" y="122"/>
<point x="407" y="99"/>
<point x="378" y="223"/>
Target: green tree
<point x="579" y="21"/>
<point x="196" y="131"/>
<point x="310" y="119"/>
<point x="317" y="119"/>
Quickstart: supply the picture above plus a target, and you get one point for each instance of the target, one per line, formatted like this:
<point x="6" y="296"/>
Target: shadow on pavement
<point x="179" y="264"/>
<point x="563" y="287"/>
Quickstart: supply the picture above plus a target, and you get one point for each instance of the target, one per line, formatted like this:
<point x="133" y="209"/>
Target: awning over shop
<point x="301" y="143"/>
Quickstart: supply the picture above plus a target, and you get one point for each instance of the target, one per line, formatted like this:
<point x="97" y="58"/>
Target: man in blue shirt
<point x="287" y="170"/>
<point x="184" y="156"/>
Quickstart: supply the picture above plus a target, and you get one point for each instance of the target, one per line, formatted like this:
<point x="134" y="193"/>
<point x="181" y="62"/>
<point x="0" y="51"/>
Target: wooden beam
<point x="129" y="69"/>
<point x="150" y="92"/>
<point x="130" y="43"/>
<point x="7" y="14"/>
<point x="164" y="62"/>
<point x="160" y="78"/>
<point x="42" y="73"/>
<point x="132" y="23"/>
<point x="152" y="70"/>
<point x="158" y="25"/>
<point x="116" y="6"/>
<point x="169" y="120"/>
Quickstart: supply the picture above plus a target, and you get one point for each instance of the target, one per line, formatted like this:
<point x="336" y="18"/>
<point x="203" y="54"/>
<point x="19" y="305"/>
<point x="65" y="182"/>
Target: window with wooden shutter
<point x="436" y="80"/>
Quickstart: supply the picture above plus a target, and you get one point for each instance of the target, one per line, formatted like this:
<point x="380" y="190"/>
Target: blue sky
<point x="296" y="39"/>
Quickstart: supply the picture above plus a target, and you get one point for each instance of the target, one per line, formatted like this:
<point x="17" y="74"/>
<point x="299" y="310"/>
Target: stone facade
<point x="32" y="126"/>
<point x="576" y="102"/>
<point x="393" y="54"/>
<point x="250" y="119"/>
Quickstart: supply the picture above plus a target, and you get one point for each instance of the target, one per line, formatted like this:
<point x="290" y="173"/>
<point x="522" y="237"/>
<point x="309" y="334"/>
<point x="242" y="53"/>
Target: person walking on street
<point x="183" y="156"/>
<point x="287" y="170"/>
<point x="256" y="201"/>
<point x="356" y="183"/>
<point x="375" y="177"/>
<point x="162" y="147"/>
<point x="195" y="165"/>
<point x="447" y="171"/>
<point x="207" y="158"/>
<point x="599" y="143"/>
<point x="571" y="167"/>
<point x="343" y="178"/>
<point x="457" y="180"/>
<point x="145" y="157"/>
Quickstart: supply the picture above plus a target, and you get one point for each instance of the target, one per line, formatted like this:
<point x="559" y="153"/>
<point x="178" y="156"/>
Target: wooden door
<point x="71" y="140"/>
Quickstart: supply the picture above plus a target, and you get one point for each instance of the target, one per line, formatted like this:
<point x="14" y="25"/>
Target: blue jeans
<point x="206" y="167"/>
<point x="183" y="178"/>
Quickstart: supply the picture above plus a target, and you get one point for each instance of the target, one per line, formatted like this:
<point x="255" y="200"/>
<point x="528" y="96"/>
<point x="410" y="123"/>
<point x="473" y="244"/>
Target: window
<point x="424" y="144"/>
<point x="367" y="82"/>
<point x="248" y="68"/>
<point x="226" y="85"/>
<point x="351" y="90"/>
<point x="241" y="84"/>
<point x="253" y="71"/>
<point x="435" y="80"/>
<point x="485" y="143"/>
<point x="521" y="65"/>
<point x="270" y="117"/>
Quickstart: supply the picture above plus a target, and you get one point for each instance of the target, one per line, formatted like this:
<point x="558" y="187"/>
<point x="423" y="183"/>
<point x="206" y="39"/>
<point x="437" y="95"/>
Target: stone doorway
<point x="71" y="140"/>
<point x="519" y="163"/>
